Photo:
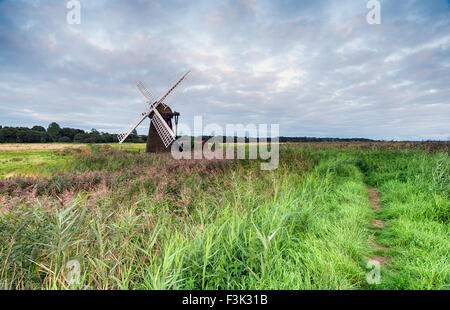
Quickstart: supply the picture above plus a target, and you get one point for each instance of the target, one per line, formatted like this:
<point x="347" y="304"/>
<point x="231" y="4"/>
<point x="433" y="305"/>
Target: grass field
<point x="146" y="221"/>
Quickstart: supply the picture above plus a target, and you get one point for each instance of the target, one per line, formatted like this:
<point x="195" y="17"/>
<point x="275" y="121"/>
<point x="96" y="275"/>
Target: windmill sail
<point x="171" y="88"/>
<point x="127" y="131"/>
<point x="144" y="92"/>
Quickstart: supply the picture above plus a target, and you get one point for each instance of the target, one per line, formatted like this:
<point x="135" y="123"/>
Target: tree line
<point x="289" y="139"/>
<point x="314" y="139"/>
<point x="54" y="133"/>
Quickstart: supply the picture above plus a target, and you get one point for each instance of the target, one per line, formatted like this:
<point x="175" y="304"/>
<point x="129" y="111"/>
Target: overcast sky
<point x="317" y="68"/>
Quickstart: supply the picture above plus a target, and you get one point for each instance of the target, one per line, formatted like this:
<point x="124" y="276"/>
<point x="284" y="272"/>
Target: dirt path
<point x="377" y="225"/>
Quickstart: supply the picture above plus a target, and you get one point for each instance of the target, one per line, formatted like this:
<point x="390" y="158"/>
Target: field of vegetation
<point x="146" y="221"/>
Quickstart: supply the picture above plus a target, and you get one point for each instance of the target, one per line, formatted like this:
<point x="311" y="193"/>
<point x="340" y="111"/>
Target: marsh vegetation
<point x="139" y="221"/>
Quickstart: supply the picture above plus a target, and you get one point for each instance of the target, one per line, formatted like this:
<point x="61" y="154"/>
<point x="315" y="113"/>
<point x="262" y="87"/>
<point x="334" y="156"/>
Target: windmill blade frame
<point x="122" y="136"/>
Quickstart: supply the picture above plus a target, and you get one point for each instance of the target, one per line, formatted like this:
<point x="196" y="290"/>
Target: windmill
<point x="160" y="133"/>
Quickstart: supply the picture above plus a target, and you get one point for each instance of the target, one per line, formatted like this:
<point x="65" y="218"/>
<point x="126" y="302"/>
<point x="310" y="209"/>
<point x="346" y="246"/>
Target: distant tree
<point x="2" y="137"/>
<point x="64" y="140"/>
<point x="94" y="137"/>
<point x="110" y="138"/>
<point x="70" y="132"/>
<point x="54" y="131"/>
<point x="44" y="137"/>
<point x="9" y="134"/>
<point x="38" y="128"/>
<point x="81" y="138"/>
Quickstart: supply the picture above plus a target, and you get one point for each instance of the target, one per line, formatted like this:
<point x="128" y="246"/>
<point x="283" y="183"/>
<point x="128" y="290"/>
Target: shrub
<point x="64" y="140"/>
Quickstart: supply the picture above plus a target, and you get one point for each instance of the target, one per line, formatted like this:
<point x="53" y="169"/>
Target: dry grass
<point x="38" y="146"/>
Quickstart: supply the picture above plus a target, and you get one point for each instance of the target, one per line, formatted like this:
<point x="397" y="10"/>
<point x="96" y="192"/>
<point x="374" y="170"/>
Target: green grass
<point x="15" y="163"/>
<point x="129" y="146"/>
<point x="157" y="223"/>
<point x="46" y="162"/>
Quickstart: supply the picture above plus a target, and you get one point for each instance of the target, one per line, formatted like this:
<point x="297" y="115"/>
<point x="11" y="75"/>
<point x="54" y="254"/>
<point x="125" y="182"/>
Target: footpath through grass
<point x="415" y="194"/>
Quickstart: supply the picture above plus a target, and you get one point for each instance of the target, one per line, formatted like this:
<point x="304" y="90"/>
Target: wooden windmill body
<point x="154" y="141"/>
